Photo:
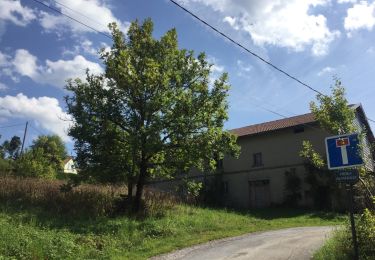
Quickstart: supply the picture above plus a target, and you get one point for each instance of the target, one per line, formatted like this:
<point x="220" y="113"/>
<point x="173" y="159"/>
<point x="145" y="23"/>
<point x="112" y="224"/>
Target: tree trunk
<point x="140" y="186"/>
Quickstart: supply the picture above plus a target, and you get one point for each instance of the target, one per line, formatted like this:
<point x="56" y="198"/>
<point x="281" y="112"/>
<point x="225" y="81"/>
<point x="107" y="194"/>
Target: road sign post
<point x="343" y="153"/>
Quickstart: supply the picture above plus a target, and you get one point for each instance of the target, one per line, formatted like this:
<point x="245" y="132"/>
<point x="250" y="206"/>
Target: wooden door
<point x="259" y="194"/>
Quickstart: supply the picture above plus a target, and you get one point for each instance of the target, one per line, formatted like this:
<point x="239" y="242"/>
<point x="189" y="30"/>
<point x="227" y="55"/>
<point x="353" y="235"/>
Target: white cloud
<point x="346" y="1"/>
<point x="326" y="70"/>
<point x="244" y="67"/>
<point x="90" y="13"/>
<point x="85" y="46"/>
<point x="3" y="87"/>
<point x="11" y="10"/>
<point x="25" y="63"/>
<point x="360" y="16"/>
<point x="45" y="111"/>
<point x="231" y="21"/>
<point x="54" y="73"/>
<point x="284" y="23"/>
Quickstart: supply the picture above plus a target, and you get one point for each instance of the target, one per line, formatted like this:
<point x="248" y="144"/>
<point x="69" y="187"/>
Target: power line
<point x="246" y="49"/>
<point x="252" y="53"/>
<point x="72" y="18"/>
<point x="204" y="22"/>
<point x="6" y="126"/>
<point x="77" y="12"/>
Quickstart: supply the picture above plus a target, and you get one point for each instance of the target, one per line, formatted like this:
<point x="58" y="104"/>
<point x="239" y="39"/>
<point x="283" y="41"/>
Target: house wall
<point x="69" y="167"/>
<point x="280" y="153"/>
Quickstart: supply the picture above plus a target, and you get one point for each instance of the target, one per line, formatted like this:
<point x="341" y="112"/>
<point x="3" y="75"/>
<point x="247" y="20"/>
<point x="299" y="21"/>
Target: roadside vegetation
<point x="38" y="221"/>
<point x="340" y="247"/>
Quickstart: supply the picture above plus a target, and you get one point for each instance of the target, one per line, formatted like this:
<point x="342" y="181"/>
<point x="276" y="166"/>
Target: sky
<point x="314" y="40"/>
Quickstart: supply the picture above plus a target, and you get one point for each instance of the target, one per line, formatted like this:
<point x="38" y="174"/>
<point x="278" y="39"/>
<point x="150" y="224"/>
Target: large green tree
<point x="152" y="113"/>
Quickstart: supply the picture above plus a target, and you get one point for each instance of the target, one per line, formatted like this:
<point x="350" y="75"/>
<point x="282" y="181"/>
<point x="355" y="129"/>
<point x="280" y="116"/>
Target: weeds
<point x="85" y="200"/>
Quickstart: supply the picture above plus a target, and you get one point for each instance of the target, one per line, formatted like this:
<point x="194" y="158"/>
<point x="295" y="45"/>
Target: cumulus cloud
<point x="360" y="16"/>
<point x="13" y="11"/>
<point x="284" y="23"/>
<point x="326" y="70"/>
<point x="53" y="73"/>
<point x="89" y="13"/>
<point x="45" y="111"/>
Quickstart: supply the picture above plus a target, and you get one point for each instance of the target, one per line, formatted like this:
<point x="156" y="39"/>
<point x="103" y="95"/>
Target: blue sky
<point x="313" y="40"/>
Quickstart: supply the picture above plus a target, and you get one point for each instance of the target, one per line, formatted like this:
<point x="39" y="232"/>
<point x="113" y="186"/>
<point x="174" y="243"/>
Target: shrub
<point x="366" y="234"/>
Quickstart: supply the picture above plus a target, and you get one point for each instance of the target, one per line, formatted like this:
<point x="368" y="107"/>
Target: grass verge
<point x="32" y="233"/>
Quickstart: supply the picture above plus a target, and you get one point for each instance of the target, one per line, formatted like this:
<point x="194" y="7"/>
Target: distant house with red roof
<point x="270" y="151"/>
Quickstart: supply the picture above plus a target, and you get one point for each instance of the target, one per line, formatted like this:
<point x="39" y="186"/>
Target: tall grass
<point x="85" y="200"/>
<point x="88" y="200"/>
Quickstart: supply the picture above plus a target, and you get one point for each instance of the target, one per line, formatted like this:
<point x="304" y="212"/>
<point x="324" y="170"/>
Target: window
<point x="257" y="160"/>
<point x="299" y="129"/>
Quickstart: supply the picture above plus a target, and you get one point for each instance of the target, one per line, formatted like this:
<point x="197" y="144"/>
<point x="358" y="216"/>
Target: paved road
<point x="292" y="243"/>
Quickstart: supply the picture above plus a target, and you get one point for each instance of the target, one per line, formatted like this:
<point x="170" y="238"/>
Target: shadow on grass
<point x="277" y="212"/>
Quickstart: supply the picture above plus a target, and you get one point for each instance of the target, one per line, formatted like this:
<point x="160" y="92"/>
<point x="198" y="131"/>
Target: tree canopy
<point x="153" y="113"/>
<point x="43" y="159"/>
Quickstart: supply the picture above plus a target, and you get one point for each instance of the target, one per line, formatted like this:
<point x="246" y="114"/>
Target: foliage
<point x="340" y="246"/>
<point x="44" y="158"/>
<point x="154" y="107"/>
<point x="334" y="116"/>
<point x="10" y="149"/>
<point x="52" y="147"/>
<point x="293" y="185"/>
<point x="333" y="112"/>
<point x="6" y="166"/>
<point x="309" y="154"/>
<point x="366" y="234"/>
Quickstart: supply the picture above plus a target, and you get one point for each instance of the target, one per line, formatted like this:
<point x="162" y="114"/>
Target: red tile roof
<point x="274" y="125"/>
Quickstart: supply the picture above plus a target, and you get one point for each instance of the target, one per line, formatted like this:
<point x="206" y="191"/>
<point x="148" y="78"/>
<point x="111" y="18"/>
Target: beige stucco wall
<point x="280" y="152"/>
<point x="69" y="167"/>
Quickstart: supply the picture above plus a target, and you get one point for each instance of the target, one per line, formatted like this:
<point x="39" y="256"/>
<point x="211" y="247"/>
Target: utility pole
<point x="24" y="137"/>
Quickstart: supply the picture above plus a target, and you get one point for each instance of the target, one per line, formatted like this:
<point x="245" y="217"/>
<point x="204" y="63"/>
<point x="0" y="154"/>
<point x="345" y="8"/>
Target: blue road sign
<point x="343" y="151"/>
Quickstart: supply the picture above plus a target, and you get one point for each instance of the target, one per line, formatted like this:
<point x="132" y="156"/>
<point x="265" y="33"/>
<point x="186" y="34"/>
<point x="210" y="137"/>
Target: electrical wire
<point x="77" y="12"/>
<point x="251" y="52"/>
<point x="246" y="49"/>
<point x="204" y="22"/>
<point x="72" y="18"/>
<point x="6" y="126"/>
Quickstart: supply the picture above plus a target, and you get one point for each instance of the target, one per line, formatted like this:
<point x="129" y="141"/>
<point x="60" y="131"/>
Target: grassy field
<point x="35" y="234"/>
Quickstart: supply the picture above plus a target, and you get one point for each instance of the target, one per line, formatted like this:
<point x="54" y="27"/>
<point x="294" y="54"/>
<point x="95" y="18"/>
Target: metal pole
<point x="354" y="234"/>
<point x="24" y="137"/>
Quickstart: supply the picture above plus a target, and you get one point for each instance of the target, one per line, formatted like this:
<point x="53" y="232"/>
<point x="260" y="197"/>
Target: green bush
<point x="366" y="234"/>
<point x="340" y="246"/>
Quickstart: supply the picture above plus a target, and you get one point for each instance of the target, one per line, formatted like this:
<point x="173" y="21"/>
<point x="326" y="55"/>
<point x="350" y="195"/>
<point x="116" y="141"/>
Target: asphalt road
<point x="292" y="243"/>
